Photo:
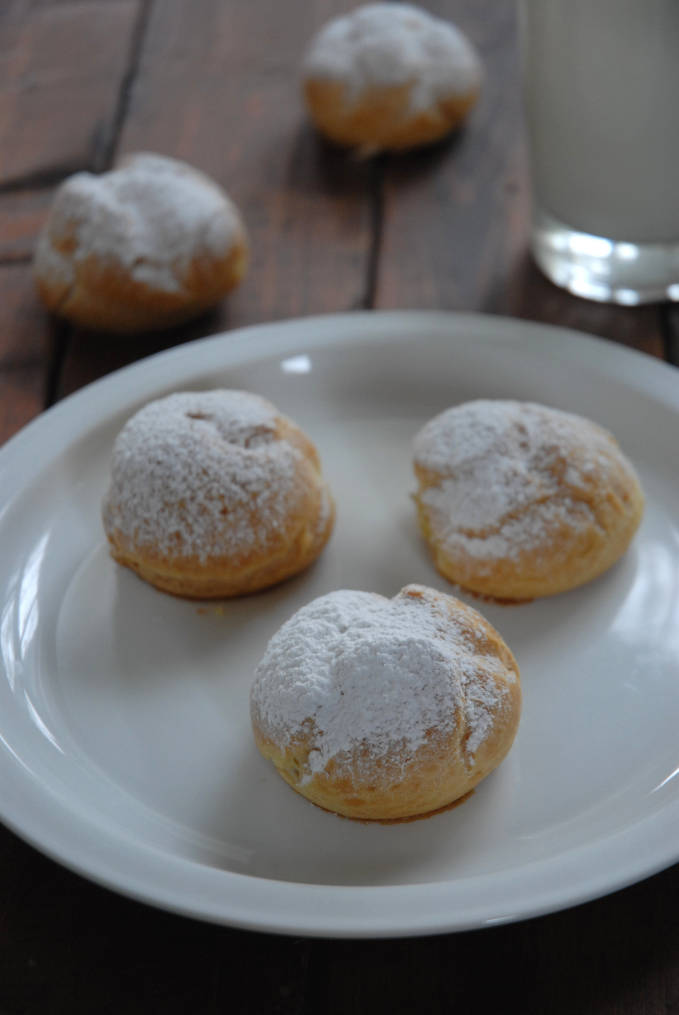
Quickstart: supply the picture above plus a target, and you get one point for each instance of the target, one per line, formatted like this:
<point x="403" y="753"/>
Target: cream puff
<point x="149" y="244"/>
<point x="518" y="500"/>
<point x="215" y="494"/>
<point x="389" y="76"/>
<point x="385" y="709"/>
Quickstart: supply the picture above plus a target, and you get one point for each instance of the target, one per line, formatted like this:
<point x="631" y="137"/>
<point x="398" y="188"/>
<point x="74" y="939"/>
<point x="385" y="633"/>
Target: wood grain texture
<point x="445" y="207"/>
<point x="27" y="342"/>
<point x="67" y="946"/>
<point x="608" y="957"/>
<point x="222" y="92"/>
<point x="670" y="325"/>
<point x="61" y="69"/>
<point x="22" y="215"/>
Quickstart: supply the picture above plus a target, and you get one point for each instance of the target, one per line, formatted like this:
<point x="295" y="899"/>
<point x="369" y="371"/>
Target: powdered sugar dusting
<point x="504" y="474"/>
<point x="152" y="216"/>
<point x="191" y="471"/>
<point x="387" y="44"/>
<point x="376" y="674"/>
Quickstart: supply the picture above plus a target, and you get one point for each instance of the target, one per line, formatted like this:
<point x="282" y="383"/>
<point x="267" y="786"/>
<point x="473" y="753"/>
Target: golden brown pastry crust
<point x="517" y="500"/>
<point x="151" y="244"/>
<point x="381" y="121"/>
<point x="206" y="509"/>
<point x="389" y="76"/>
<point x="458" y="668"/>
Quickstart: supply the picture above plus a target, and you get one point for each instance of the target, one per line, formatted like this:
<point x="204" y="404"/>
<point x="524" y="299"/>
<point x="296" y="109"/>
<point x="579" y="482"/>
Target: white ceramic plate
<point x="125" y="746"/>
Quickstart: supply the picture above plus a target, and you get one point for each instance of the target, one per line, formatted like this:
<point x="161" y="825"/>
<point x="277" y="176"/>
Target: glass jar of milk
<point x="601" y="94"/>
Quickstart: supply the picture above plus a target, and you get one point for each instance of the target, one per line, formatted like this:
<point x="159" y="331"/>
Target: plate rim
<point x="351" y="916"/>
<point x="642" y="370"/>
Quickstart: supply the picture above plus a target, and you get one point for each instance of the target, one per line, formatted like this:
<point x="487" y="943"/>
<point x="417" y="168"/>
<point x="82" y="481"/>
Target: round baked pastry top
<point x="152" y="242"/>
<point x="389" y="76"/>
<point x="519" y="500"/>
<point x="216" y="490"/>
<point x="385" y="708"/>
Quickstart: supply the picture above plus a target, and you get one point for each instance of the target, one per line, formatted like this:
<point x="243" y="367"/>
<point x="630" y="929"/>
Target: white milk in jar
<point x="601" y="92"/>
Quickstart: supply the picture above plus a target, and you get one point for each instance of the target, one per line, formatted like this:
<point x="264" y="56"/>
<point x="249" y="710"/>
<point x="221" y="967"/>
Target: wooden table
<point x="214" y="82"/>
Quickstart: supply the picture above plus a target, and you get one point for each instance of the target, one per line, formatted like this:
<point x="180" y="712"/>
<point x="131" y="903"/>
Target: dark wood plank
<point x="440" y="214"/>
<point x="221" y="92"/>
<point x="243" y="123"/>
<point x="613" y="956"/>
<point x="22" y="215"/>
<point x="26" y="349"/>
<point x="526" y="293"/>
<point x="456" y="216"/>
<point x="671" y="333"/>
<point x="61" y="70"/>
<point x="68" y="946"/>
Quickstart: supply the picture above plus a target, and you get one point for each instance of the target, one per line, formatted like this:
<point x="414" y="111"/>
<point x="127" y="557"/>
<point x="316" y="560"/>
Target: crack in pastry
<point x="383" y="709"/>
<point x="517" y="500"/>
